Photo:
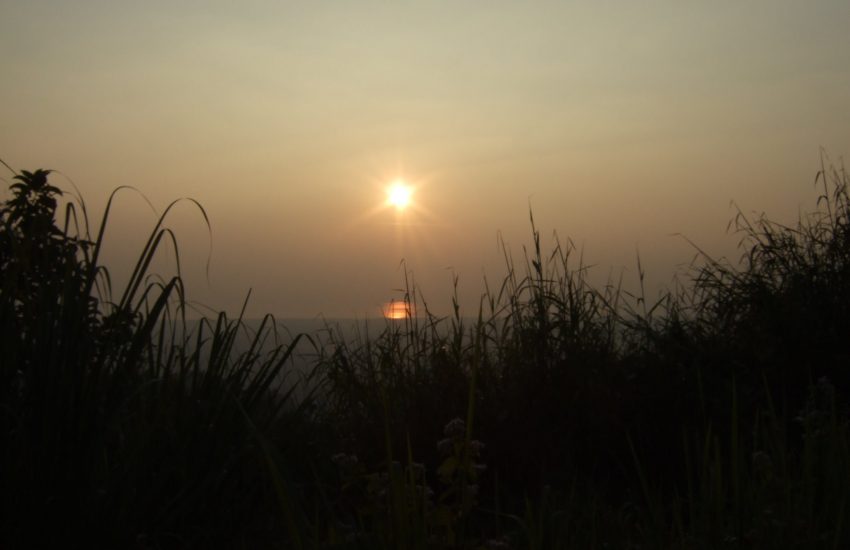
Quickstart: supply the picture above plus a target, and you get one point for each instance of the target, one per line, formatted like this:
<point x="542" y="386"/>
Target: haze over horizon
<point x="619" y="125"/>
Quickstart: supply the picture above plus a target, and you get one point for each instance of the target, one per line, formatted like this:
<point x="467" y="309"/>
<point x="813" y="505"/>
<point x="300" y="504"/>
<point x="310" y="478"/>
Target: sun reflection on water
<point x="398" y="310"/>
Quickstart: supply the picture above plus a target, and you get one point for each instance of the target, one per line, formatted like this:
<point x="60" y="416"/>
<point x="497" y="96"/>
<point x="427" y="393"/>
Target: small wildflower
<point x="455" y="428"/>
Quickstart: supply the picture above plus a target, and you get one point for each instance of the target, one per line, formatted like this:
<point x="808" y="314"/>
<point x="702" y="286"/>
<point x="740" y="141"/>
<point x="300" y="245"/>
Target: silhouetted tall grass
<point x="660" y="423"/>
<point x="560" y="416"/>
<point x="121" y="427"/>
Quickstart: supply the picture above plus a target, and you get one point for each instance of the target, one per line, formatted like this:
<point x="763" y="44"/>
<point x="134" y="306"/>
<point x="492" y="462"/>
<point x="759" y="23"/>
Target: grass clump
<point x="120" y="425"/>
<point x="715" y="416"/>
<point x="611" y="420"/>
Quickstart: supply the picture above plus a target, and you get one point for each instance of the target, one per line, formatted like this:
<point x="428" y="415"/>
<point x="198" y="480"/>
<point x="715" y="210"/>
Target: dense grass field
<point x="560" y="416"/>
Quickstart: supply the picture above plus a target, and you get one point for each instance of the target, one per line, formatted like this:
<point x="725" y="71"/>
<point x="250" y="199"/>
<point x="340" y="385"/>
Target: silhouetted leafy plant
<point x="42" y="267"/>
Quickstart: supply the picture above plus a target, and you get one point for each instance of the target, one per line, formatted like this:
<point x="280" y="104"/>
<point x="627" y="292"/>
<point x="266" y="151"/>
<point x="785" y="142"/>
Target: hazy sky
<point x="620" y="123"/>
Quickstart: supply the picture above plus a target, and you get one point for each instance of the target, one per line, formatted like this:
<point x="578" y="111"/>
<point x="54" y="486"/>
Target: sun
<point x="399" y="194"/>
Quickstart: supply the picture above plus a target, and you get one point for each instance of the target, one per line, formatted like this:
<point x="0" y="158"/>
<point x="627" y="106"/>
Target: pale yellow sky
<point x="622" y="123"/>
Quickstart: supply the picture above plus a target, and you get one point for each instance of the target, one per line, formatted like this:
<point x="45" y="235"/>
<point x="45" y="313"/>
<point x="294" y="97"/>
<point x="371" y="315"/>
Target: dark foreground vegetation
<point x="565" y="416"/>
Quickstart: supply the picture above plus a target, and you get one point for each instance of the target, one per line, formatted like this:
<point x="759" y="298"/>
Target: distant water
<point x="316" y="335"/>
<point x="313" y="333"/>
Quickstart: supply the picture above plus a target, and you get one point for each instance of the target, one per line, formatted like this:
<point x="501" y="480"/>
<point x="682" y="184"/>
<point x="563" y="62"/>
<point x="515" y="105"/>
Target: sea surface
<point x="310" y="338"/>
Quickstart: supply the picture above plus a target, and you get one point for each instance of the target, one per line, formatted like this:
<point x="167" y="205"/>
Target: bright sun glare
<point x="398" y="195"/>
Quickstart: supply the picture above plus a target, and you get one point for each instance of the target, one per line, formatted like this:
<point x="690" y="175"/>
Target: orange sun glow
<point x="398" y="310"/>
